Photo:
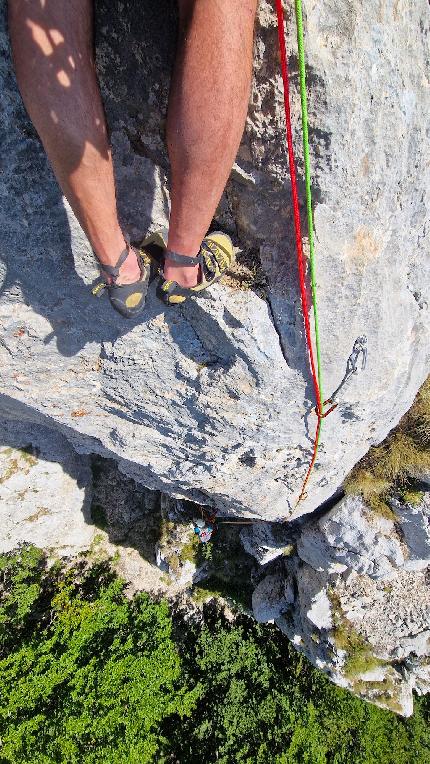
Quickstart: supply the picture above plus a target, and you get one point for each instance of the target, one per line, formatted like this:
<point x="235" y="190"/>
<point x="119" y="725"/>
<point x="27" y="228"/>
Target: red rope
<point x="298" y="234"/>
<point x="295" y="195"/>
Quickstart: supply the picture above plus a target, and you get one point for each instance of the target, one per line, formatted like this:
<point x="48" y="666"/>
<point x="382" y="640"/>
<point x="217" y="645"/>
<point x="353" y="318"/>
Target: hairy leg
<point x="207" y="111"/>
<point x="52" y="45"/>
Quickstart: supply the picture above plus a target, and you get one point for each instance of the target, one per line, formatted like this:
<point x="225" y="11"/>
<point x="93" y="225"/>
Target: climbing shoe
<point x="215" y="257"/>
<point x="127" y="299"/>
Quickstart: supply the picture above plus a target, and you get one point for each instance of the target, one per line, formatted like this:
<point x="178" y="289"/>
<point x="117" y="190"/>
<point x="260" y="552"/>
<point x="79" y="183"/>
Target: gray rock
<point x="214" y="402"/>
<point x="362" y="607"/>
<point x="358" y="630"/>
<point x="353" y="537"/>
<point x="320" y="611"/>
<point x="45" y="492"/>
<point x="378" y="674"/>
<point x="271" y="598"/>
<point x="414" y="523"/>
<point x="421" y="675"/>
<point x="313" y="548"/>
<point x="418" y="644"/>
<point x="392" y="616"/>
<point x="267" y="541"/>
<point x="309" y="619"/>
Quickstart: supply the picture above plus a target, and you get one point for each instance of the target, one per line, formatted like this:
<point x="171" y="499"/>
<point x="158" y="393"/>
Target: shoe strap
<point x="113" y="270"/>
<point x="182" y="259"/>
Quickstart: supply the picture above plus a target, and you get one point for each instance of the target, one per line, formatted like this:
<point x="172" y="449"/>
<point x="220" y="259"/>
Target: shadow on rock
<point x="37" y="241"/>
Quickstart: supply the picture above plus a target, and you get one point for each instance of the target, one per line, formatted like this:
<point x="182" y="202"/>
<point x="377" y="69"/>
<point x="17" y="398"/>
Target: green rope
<point x="305" y="131"/>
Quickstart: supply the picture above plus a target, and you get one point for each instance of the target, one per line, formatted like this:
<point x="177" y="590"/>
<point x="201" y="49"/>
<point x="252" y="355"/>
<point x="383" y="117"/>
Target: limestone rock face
<point x="71" y="505"/>
<point x="266" y="541"/>
<point x="271" y="598"/>
<point x="45" y="492"/>
<point x="213" y="402"/>
<point x="361" y="608"/>
<point x="414" y="524"/>
<point x="353" y="537"/>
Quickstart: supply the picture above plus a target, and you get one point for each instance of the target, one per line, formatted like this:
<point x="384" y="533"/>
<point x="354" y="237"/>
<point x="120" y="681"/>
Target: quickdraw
<point x="359" y="349"/>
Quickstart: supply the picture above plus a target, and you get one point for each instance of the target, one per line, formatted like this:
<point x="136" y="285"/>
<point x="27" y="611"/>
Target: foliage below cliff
<point x="88" y="676"/>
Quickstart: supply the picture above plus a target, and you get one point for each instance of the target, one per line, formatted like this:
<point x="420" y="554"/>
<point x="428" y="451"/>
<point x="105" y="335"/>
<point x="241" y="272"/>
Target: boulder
<point x="214" y="402"/>
<point x="267" y="541"/>
<point x="271" y="598"/>
<point x="71" y="505"/>
<point x="353" y="537"/>
<point x="414" y="524"/>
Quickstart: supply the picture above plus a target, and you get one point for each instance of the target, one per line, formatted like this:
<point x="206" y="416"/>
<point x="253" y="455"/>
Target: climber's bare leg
<point x="207" y="112"/>
<point x="53" y="56"/>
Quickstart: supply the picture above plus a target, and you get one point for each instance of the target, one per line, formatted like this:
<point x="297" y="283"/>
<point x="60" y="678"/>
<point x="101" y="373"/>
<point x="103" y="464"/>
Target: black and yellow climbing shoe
<point x="214" y="258"/>
<point x="127" y="299"/>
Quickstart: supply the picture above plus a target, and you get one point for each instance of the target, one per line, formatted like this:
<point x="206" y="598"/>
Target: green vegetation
<point x="392" y="467"/>
<point x="189" y="550"/>
<point x="88" y="676"/>
<point x="384" y="691"/>
<point x="289" y="550"/>
<point x="179" y="544"/>
<point x="412" y="497"/>
<point x="167" y="527"/>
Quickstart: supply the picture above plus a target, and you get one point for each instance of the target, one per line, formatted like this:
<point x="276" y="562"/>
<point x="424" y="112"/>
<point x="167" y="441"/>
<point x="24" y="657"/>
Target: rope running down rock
<point x="316" y="369"/>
